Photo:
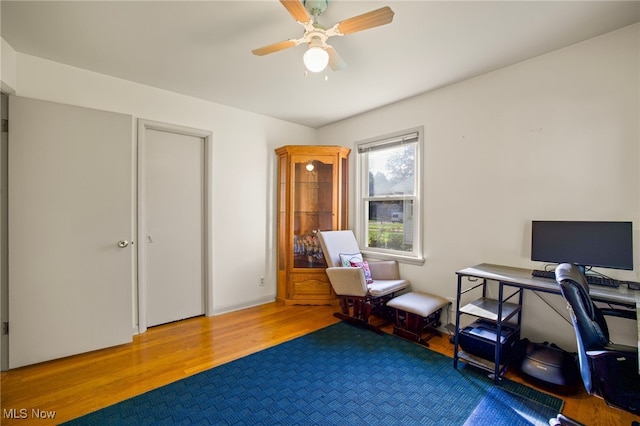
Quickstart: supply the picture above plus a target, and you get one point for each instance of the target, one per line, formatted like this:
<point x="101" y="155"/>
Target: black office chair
<point x="608" y="370"/>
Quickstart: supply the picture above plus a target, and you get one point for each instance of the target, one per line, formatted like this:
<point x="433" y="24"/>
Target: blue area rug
<point x="340" y="375"/>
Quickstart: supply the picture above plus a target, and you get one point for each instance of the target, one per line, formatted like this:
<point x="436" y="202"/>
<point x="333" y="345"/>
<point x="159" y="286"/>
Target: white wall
<point x="556" y="137"/>
<point x="243" y="154"/>
<point x="7" y="67"/>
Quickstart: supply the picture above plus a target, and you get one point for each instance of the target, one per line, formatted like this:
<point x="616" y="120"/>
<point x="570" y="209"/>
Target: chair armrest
<point x="384" y="270"/>
<point x="620" y="313"/>
<point x="617" y="349"/>
<point x="347" y="281"/>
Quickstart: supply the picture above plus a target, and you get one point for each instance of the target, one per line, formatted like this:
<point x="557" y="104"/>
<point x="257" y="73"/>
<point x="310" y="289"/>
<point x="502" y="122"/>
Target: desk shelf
<point x="481" y="363"/>
<point x="488" y="309"/>
<point x="502" y="311"/>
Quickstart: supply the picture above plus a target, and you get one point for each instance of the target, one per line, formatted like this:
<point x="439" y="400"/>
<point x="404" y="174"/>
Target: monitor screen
<point x="598" y="244"/>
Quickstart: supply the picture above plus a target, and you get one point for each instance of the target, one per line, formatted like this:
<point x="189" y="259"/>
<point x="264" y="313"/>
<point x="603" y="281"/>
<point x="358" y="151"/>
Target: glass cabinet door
<point x="313" y="208"/>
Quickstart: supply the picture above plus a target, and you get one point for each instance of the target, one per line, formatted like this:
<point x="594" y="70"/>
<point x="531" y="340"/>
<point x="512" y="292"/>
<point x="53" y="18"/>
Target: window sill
<point x="369" y="254"/>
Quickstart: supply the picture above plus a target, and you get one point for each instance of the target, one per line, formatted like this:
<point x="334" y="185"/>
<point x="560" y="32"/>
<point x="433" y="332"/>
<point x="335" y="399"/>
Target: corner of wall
<point x="7" y="68"/>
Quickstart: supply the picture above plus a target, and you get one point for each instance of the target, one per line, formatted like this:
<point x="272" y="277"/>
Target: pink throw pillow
<point x="365" y="267"/>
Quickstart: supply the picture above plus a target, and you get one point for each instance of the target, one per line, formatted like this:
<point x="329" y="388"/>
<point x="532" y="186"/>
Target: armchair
<point x="359" y="299"/>
<point x="608" y="370"/>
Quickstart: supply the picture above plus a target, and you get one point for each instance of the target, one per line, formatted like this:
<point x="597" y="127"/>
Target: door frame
<point x="4" y="231"/>
<point x="143" y="126"/>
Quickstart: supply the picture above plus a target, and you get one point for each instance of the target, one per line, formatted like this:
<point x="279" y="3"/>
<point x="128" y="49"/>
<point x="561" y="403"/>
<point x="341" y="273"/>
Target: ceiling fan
<point x="320" y="54"/>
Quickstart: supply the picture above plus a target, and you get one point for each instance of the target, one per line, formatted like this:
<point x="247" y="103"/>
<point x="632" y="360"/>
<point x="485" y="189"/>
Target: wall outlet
<point x="261" y="281"/>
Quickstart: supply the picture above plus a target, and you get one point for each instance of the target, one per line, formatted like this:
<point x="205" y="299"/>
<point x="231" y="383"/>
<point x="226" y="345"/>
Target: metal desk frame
<point x="520" y="279"/>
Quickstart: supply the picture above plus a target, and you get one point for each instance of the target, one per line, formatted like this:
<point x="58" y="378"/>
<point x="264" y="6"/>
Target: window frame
<point x="362" y="197"/>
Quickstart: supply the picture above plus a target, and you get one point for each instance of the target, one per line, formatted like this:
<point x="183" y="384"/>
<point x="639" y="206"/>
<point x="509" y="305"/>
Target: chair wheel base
<point x="562" y="420"/>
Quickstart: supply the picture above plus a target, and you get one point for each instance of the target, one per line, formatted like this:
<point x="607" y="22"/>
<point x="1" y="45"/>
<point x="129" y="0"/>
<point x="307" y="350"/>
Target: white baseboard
<point x="219" y="310"/>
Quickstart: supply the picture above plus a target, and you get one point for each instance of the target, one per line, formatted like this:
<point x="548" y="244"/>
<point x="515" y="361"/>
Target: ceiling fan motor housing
<point x="315" y="7"/>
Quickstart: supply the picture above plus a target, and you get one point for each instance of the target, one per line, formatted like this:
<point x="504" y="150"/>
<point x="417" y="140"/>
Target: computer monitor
<point x="588" y="244"/>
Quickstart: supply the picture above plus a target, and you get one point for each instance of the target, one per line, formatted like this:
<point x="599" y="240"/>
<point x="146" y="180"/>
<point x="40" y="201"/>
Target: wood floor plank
<point x="80" y="384"/>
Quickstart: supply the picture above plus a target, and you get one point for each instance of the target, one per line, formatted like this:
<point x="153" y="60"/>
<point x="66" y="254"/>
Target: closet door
<point x="173" y="176"/>
<point x="70" y="229"/>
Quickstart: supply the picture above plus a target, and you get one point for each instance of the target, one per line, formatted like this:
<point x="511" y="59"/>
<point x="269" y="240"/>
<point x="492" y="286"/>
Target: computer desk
<point x="521" y="279"/>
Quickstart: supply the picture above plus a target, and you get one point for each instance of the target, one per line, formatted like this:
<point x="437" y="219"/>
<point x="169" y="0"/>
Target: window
<point x="389" y="198"/>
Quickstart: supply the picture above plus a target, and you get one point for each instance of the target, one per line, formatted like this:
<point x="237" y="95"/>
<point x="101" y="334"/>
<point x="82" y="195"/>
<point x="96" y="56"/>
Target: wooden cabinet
<point x="312" y="197"/>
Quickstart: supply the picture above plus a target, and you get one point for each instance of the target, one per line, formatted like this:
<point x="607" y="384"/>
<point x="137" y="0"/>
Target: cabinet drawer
<point x="309" y="285"/>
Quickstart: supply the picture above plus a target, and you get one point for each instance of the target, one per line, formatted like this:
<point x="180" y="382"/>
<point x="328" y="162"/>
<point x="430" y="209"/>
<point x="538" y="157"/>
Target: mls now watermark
<point x="25" y="413"/>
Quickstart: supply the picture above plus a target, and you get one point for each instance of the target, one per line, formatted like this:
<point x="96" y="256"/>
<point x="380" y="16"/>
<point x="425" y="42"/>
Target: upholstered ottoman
<point x="417" y="313"/>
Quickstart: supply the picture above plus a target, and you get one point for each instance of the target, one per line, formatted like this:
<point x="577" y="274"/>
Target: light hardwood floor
<point x="77" y="385"/>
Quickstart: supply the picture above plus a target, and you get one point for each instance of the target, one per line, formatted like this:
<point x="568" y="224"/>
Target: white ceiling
<point x="203" y="48"/>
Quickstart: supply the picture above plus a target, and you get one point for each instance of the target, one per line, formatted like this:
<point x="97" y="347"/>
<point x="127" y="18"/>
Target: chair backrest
<point x="334" y="243"/>
<point x="588" y="322"/>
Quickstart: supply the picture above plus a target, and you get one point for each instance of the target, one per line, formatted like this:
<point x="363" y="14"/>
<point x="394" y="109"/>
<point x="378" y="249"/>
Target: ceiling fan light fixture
<point x="319" y="55"/>
<point x="316" y="59"/>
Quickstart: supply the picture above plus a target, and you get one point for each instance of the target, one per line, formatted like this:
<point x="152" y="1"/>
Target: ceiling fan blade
<point x="335" y="61"/>
<point x="372" y="19"/>
<point x="297" y="10"/>
<point x="275" y="47"/>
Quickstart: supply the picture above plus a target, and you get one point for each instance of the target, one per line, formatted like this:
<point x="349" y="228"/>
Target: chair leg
<point x="362" y="310"/>
<point x="357" y="310"/>
<point x="412" y="326"/>
<point x="344" y="305"/>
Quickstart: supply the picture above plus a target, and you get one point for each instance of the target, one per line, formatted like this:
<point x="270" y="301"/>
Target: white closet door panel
<point x="70" y="203"/>
<point x="174" y="195"/>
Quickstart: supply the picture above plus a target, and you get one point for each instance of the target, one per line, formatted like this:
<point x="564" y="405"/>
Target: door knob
<point x="123" y="243"/>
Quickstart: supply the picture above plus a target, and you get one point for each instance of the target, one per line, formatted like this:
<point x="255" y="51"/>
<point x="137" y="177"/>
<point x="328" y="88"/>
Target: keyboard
<point x="604" y="281"/>
<point x="591" y="279"/>
<point x="544" y="274"/>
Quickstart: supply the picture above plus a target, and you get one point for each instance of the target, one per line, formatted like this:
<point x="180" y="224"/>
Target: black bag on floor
<point x="550" y="366"/>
